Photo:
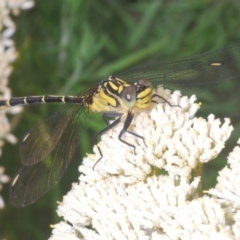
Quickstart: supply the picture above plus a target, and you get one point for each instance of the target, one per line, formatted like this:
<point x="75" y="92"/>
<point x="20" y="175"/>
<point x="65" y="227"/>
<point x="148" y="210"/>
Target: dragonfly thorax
<point x="116" y="95"/>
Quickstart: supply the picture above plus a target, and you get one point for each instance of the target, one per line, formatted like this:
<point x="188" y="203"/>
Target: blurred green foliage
<point x="67" y="45"/>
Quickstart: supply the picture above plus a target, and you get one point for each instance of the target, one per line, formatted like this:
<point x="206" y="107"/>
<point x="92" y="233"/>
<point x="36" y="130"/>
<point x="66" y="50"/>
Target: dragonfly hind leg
<point x="127" y="123"/>
<point x="109" y="126"/>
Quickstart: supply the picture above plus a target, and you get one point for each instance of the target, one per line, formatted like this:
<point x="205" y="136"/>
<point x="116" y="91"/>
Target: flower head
<point x="155" y="193"/>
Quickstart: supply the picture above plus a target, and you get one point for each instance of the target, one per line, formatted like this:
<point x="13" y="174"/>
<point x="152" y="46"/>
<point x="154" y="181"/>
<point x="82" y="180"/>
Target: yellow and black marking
<point x="46" y="150"/>
<point x="116" y="95"/>
<point x="35" y="99"/>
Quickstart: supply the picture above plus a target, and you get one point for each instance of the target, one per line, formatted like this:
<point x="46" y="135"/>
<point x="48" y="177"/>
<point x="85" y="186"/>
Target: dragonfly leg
<point x="107" y="116"/>
<point x="164" y="100"/>
<point x="136" y="135"/>
<point x="127" y="123"/>
<point x="109" y="126"/>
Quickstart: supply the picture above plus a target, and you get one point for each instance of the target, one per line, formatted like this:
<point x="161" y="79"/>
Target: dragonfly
<point x="47" y="149"/>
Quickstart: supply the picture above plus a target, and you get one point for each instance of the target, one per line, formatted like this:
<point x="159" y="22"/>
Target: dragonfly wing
<point x="39" y="142"/>
<point x="31" y="182"/>
<point x="191" y="75"/>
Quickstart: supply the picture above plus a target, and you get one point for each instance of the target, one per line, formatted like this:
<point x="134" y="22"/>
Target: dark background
<point x="66" y="46"/>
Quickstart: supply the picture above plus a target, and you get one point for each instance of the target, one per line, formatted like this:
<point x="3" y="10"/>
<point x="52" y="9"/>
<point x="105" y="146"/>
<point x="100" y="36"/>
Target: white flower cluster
<point x="14" y="6"/>
<point x="3" y="179"/>
<point x="154" y="193"/>
<point x="7" y="55"/>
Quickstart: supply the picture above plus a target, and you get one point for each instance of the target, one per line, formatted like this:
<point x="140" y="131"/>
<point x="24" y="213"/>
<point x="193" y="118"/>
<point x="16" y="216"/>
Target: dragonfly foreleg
<point x="164" y="100"/>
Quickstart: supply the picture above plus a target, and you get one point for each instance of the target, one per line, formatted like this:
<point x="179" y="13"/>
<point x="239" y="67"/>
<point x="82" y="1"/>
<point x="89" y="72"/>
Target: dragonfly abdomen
<point x="39" y="99"/>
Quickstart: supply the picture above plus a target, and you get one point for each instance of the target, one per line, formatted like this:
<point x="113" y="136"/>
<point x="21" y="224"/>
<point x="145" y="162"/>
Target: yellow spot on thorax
<point x="144" y="98"/>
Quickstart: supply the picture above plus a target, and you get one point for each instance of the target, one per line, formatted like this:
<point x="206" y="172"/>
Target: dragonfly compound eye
<point x="145" y="82"/>
<point x="129" y="96"/>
